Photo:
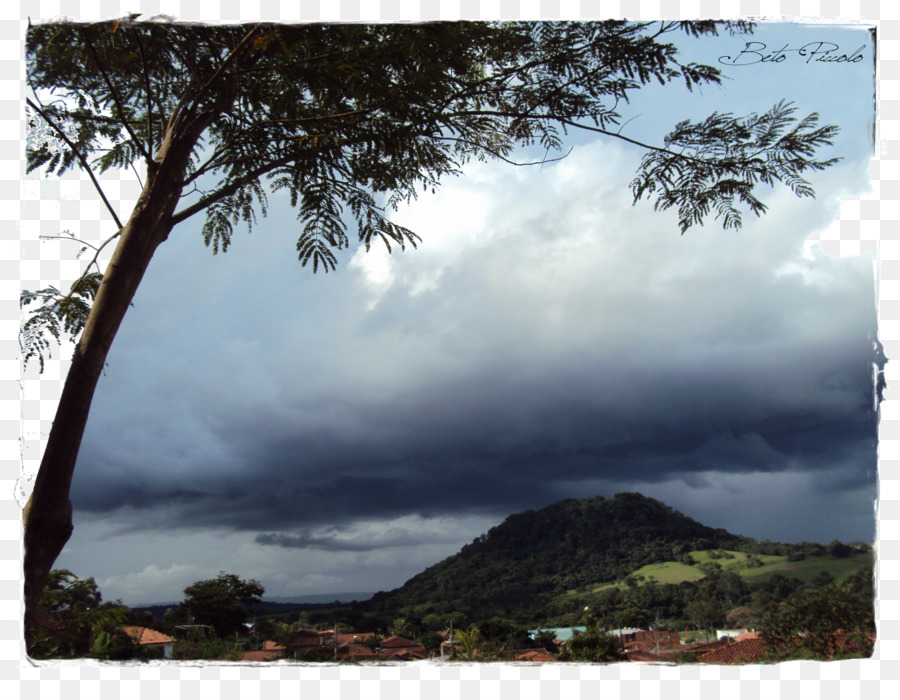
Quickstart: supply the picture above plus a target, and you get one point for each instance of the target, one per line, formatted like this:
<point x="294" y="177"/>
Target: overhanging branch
<point x="79" y="156"/>
<point x="231" y="188"/>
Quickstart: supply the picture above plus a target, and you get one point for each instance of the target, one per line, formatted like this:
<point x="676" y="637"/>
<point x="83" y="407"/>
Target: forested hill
<point x="535" y="554"/>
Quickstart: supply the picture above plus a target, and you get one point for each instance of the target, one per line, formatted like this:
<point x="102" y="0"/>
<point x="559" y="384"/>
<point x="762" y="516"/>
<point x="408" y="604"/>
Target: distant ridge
<point x="319" y="598"/>
<point x="309" y="599"/>
<point x="534" y="555"/>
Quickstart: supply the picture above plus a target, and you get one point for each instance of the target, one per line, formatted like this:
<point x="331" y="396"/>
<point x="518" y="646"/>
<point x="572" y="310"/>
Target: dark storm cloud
<point x="501" y="448"/>
<point x="338" y="539"/>
<point x="513" y="362"/>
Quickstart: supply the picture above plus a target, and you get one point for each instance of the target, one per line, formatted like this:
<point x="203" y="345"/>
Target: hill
<point x="536" y="555"/>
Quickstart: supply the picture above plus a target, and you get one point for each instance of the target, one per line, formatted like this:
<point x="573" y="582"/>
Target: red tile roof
<point x="354" y="637"/>
<point x="145" y="635"/>
<point x="536" y="655"/>
<point x="746" y="652"/>
<point x="305" y="638"/>
<point x="404" y="655"/>
<point x="356" y="651"/>
<point x="397" y="642"/>
<point x="708" y="646"/>
<point x="647" y="656"/>
<point x="260" y="655"/>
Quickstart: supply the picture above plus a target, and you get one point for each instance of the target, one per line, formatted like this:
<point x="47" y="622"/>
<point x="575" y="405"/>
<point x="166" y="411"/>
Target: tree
<point x="835" y="620"/>
<point x="742" y="616"/>
<point x="839" y="550"/>
<point x="633" y="617"/>
<point x="405" y="627"/>
<point x="593" y="646"/>
<point x="705" y="614"/>
<point x="470" y="640"/>
<point x="546" y="639"/>
<point x="350" y="120"/>
<point x="201" y="643"/>
<point x="221" y="602"/>
<point x="73" y="621"/>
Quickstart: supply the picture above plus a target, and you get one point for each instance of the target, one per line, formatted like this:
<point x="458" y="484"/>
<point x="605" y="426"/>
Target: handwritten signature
<point x="816" y="51"/>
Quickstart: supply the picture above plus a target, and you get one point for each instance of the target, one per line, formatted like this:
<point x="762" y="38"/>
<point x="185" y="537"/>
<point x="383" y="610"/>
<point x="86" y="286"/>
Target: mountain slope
<point x="536" y="554"/>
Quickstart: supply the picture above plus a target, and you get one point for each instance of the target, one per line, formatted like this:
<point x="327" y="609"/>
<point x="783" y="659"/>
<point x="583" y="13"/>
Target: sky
<point x="547" y="340"/>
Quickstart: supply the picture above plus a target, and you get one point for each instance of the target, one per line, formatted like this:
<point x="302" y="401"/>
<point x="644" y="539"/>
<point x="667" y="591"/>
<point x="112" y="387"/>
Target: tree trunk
<point x="47" y="517"/>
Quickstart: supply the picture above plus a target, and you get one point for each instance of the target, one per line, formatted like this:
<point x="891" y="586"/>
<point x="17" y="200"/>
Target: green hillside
<point x="534" y="556"/>
<point x="742" y="564"/>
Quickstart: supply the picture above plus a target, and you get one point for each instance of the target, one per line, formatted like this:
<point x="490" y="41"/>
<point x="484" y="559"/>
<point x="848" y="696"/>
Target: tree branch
<point x="79" y="156"/>
<point x="97" y="250"/>
<point x="577" y="125"/>
<point x="232" y="56"/>
<point x="230" y="188"/>
<point x="137" y="38"/>
<point x="500" y="156"/>
<point x="119" y="109"/>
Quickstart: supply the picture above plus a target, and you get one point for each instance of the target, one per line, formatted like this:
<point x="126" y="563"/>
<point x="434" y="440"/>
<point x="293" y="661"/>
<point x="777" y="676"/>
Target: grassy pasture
<point x="805" y="570"/>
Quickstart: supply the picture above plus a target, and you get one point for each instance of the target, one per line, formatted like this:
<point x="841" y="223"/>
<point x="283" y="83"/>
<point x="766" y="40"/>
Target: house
<point x="651" y="640"/>
<point x="343" y="638"/>
<point x="357" y="652"/>
<point x="747" y="652"/>
<point x="262" y="655"/>
<point x="399" y="656"/>
<point x="707" y="646"/>
<point x="146" y="637"/>
<point x="397" y="646"/>
<point x="301" y="639"/>
<point x="269" y="652"/>
<point x="643" y="656"/>
<point x="269" y="645"/>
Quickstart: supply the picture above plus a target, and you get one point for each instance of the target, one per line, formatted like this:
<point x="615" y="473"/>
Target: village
<point x="730" y="646"/>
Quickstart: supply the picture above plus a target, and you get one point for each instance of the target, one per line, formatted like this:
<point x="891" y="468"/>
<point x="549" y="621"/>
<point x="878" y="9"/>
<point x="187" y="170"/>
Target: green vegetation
<point x="592" y="646"/>
<point x="74" y="622"/>
<point x="814" y="624"/>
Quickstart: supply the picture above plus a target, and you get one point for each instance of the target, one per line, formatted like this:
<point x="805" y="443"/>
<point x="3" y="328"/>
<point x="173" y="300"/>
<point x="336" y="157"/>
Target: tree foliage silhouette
<point x="350" y="120"/>
<point x="222" y="602"/>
